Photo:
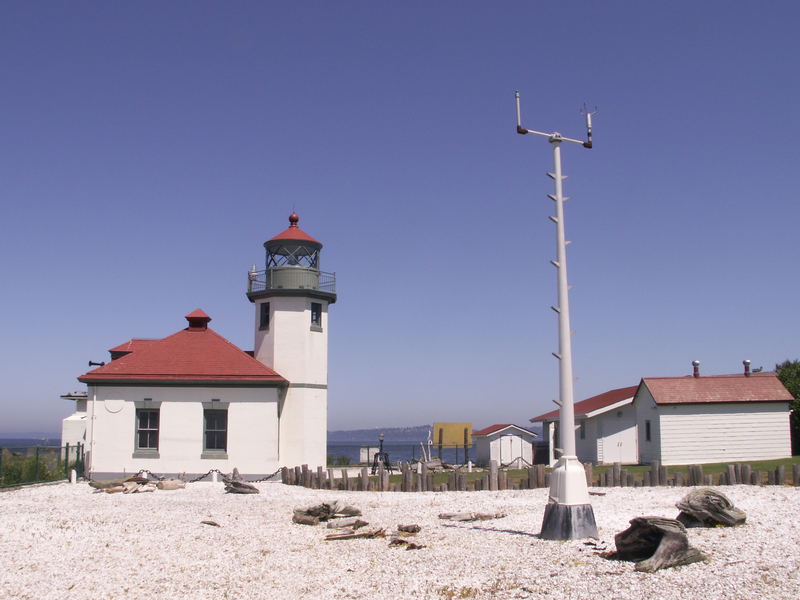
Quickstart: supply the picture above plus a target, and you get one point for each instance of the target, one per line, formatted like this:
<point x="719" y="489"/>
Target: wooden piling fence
<point x="421" y="479"/>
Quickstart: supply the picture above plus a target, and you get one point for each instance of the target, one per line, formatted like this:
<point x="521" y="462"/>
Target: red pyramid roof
<point x="294" y="233"/>
<point x="191" y="355"/>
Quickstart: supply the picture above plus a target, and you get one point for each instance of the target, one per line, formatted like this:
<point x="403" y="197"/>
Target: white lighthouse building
<point x="193" y="402"/>
<point x="291" y="298"/>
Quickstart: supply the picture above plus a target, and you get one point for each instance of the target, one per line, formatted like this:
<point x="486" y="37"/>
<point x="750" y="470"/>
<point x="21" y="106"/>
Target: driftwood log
<point x="353" y="535"/>
<point x="471" y="516"/>
<point x="409" y="545"/>
<point x="326" y="512"/>
<point x="103" y="484"/>
<point x="239" y="487"/>
<point x="302" y="519"/>
<point x="171" y="484"/>
<point x="347" y="522"/>
<point x="705" y="507"/>
<point x="655" y="543"/>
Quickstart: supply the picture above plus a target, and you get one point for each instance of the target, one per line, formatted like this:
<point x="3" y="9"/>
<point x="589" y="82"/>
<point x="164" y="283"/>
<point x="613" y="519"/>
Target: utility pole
<point x="568" y="514"/>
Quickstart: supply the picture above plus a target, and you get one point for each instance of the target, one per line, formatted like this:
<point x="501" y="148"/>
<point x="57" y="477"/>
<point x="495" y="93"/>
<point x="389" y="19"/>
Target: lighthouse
<point x="291" y="296"/>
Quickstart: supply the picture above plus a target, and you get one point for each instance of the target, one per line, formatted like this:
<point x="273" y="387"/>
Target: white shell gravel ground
<point x="63" y="541"/>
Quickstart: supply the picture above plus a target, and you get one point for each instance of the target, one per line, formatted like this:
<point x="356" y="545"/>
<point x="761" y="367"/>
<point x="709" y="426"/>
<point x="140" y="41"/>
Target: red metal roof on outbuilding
<point x="594" y="403"/>
<point x="761" y="387"/>
<point x="190" y="355"/>
<point x="495" y="428"/>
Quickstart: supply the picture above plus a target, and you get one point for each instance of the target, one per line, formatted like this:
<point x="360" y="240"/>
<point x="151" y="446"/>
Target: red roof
<point x="764" y="387"/>
<point x="294" y="233"/>
<point x="131" y="345"/>
<point x="196" y="354"/>
<point x="594" y="403"/>
<point x="495" y="428"/>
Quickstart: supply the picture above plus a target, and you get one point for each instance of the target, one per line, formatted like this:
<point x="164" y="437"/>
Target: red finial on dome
<point x="293" y="219"/>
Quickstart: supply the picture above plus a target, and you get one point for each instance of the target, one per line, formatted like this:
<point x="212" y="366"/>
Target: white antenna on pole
<point x="568" y="514"/>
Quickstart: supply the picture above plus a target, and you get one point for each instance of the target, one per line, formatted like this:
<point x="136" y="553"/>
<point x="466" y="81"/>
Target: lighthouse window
<point x="263" y="321"/>
<point x="316" y="316"/>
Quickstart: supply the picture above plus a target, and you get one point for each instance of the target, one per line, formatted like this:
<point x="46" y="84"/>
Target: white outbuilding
<point x="511" y="446"/>
<point x="713" y="419"/>
<point x="193" y="401"/>
<point x="682" y="420"/>
<point x="606" y="428"/>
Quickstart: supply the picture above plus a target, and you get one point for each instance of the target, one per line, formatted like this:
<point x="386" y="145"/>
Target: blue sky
<point x="149" y="149"/>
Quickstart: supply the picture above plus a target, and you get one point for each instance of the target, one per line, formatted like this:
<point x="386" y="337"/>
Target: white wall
<point x="586" y="447"/>
<point x="290" y="347"/>
<point x="616" y="432"/>
<point x="252" y="429"/>
<point x="707" y="433"/>
<point x="73" y="429"/>
<point x="304" y="427"/>
<point x="646" y="410"/>
<point x="504" y="448"/>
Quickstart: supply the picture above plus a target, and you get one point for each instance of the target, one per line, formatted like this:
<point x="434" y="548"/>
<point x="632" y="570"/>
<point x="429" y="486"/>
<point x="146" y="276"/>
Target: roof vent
<point x="746" y="364"/>
<point x="696" y="365"/>
<point x="198" y="320"/>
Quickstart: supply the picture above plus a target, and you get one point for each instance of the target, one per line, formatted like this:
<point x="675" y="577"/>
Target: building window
<point x="647" y="431"/>
<point x="263" y="319"/>
<point x="147" y="429"/>
<point x="316" y="316"/>
<point x="583" y="430"/>
<point x="215" y="431"/>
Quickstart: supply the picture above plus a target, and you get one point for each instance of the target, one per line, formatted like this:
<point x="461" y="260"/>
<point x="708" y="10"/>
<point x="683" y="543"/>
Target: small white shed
<point x="510" y="445"/>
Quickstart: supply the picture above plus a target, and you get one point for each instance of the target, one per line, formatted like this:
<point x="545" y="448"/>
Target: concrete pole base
<point x="568" y="522"/>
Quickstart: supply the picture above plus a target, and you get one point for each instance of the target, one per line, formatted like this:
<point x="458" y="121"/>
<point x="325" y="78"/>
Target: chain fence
<point x="210" y="472"/>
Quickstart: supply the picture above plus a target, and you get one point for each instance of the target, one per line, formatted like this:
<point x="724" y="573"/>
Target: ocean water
<point x="28" y="442"/>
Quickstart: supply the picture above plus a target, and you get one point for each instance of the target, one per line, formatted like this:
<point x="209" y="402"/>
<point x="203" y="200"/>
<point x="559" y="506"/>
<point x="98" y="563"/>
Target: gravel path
<point x="62" y="541"/>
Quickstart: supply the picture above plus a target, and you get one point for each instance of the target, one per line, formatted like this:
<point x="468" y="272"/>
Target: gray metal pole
<point x="567" y="413"/>
<point x="568" y="514"/>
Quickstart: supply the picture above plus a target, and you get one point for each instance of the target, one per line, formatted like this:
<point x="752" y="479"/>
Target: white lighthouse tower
<point x="291" y="297"/>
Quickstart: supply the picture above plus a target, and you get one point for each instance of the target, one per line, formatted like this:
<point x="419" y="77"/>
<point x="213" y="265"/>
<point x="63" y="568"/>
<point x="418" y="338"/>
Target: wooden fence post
<point x="540" y="476"/>
<point x="731" y="474"/>
<point x="662" y="475"/>
<point x="408" y="482"/>
<point x="796" y="474"/>
<point x="588" y="468"/>
<point x="493" y="475"/>
<point x="502" y="479"/>
<point x="616" y="474"/>
<point x="655" y="469"/>
<point x="780" y="475"/>
<point x="364" y="478"/>
<point x="746" y="471"/>
<point x="532" y="478"/>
